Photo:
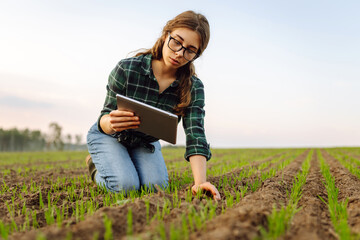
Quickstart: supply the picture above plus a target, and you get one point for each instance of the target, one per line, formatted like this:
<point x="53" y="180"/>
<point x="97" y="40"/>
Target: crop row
<point x="280" y="219"/>
<point x="25" y="164"/>
<point x="62" y="199"/>
<point x="25" y="158"/>
<point x="349" y="162"/>
<point x="337" y="209"/>
<point x="194" y="219"/>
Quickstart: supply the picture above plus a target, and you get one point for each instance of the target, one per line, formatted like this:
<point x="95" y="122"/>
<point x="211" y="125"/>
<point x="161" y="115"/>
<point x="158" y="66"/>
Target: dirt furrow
<point x="118" y="215"/>
<point x="15" y="179"/>
<point x="349" y="188"/>
<point x="313" y="220"/>
<point x="251" y="164"/>
<point x="93" y="225"/>
<point x="215" y="179"/>
<point x="351" y="154"/>
<point x="245" y="219"/>
<point x="39" y="164"/>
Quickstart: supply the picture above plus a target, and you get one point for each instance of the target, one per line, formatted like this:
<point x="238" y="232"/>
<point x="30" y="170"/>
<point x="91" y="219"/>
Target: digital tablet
<point x="153" y="121"/>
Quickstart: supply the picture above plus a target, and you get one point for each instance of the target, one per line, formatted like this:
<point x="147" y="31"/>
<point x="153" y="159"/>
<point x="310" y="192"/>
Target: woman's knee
<point x="161" y="181"/>
<point x="122" y="184"/>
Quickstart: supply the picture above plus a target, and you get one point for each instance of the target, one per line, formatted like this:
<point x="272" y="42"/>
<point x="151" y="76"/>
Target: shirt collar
<point x="146" y="65"/>
<point x="175" y="83"/>
<point x="147" y="69"/>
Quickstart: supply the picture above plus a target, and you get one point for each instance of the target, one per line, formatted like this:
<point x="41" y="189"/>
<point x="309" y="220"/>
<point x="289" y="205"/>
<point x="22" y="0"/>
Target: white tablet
<point x="153" y="121"/>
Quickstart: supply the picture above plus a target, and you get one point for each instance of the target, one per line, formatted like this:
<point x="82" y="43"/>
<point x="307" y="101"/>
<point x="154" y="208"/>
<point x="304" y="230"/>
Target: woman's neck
<point x="161" y="70"/>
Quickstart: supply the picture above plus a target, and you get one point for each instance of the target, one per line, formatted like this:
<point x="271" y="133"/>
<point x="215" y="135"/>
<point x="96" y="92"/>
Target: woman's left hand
<point x="207" y="186"/>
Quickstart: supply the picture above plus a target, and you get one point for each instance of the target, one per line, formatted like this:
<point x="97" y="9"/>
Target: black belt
<point x="133" y="139"/>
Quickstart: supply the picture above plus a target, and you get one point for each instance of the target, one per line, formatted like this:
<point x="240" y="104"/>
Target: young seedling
<point x="129" y="230"/>
<point x="279" y="220"/>
<point x="338" y="210"/>
<point x="147" y="206"/>
<point x="4" y="230"/>
<point x="108" y="235"/>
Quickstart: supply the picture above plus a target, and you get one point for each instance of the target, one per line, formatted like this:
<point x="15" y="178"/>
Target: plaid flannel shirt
<point x="134" y="78"/>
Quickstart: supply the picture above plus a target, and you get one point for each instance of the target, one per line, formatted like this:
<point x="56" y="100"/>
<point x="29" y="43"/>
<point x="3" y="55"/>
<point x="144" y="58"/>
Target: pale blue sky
<point x="276" y="73"/>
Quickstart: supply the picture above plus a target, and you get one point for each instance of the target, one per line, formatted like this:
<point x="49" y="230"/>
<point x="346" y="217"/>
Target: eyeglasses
<point x="176" y="46"/>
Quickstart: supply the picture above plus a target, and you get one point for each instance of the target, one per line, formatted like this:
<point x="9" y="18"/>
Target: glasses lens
<point x="189" y="55"/>
<point x="174" y="45"/>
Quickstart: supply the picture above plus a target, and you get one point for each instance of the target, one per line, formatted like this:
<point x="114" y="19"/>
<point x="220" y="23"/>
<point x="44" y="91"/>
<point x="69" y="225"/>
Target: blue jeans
<point x="123" y="169"/>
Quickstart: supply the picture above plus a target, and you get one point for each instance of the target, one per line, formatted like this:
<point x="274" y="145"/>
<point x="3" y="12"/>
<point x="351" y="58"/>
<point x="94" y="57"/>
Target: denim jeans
<point x="123" y="169"/>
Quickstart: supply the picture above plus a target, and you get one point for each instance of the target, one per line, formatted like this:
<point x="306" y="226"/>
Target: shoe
<point x="91" y="167"/>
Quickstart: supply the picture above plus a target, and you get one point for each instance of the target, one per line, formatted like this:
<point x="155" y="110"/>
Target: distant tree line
<point x="12" y="140"/>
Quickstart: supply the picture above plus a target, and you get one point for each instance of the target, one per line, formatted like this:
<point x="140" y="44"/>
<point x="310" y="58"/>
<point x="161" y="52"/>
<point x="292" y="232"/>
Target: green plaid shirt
<point x="134" y="78"/>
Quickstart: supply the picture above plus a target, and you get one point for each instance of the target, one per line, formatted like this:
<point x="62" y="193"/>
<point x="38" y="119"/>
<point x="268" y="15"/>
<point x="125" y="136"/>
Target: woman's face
<point x="180" y="37"/>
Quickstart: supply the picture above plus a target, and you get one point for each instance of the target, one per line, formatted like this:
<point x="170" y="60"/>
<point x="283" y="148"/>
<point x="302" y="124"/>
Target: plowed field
<point x="265" y="194"/>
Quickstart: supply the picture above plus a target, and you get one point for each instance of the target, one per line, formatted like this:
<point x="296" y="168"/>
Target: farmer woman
<point x="122" y="158"/>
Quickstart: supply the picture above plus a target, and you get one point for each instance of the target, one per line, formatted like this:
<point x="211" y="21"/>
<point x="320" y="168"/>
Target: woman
<point x="123" y="159"/>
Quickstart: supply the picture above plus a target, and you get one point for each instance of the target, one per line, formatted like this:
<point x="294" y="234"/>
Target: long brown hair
<point x="193" y="21"/>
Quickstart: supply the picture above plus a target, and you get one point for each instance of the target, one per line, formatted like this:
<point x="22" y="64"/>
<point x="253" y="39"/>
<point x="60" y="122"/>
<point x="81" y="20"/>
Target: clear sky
<point x="276" y="73"/>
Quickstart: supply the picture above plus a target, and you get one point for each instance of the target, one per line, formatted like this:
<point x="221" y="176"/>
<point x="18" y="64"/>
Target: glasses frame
<point x="182" y="47"/>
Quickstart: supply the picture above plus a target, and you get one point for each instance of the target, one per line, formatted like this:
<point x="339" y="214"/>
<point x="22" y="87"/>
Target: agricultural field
<point x="265" y="194"/>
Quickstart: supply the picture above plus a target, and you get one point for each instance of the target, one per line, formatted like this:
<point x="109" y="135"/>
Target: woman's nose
<point x="180" y="53"/>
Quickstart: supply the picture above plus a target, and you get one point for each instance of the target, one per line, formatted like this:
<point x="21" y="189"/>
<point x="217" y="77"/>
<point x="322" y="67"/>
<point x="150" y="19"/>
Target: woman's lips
<point x="173" y="61"/>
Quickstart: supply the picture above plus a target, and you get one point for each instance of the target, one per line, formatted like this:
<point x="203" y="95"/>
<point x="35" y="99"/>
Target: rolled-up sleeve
<point x="116" y="84"/>
<point x="193" y="123"/>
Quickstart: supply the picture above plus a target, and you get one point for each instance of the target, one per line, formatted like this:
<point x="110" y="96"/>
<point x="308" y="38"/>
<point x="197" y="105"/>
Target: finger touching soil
<point x="246" y="218"/>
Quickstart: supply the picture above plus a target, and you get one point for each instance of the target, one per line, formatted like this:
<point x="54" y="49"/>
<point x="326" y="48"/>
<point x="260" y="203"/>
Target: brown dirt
<point x="252" y="164"/>
<point x="246" y="218"/>
<point x="313" y="220"/>
<point x="349" y="188"/>
<point x="35" y="164"/>
<point x="242" y="221"/>
<point x="351" y="154"/>
<point x="15" y="182"/>
<point x="14" y="179"/>
<point x="95" y="223"/>
<point x="214" y="156"/>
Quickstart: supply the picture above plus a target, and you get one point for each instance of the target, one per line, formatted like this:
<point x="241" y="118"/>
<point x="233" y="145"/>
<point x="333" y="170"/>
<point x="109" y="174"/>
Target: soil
<point x="349" y="190"/>
<point x="253" y="164"/>
<point x="313" y="219"/>
<point x="95" y="224"/>
<point x="244" y="220"/>
<point x="35" y="164"/>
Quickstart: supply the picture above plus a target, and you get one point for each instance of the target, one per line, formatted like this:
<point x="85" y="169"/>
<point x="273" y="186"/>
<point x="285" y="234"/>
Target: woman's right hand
<point x="118" y="120"/>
